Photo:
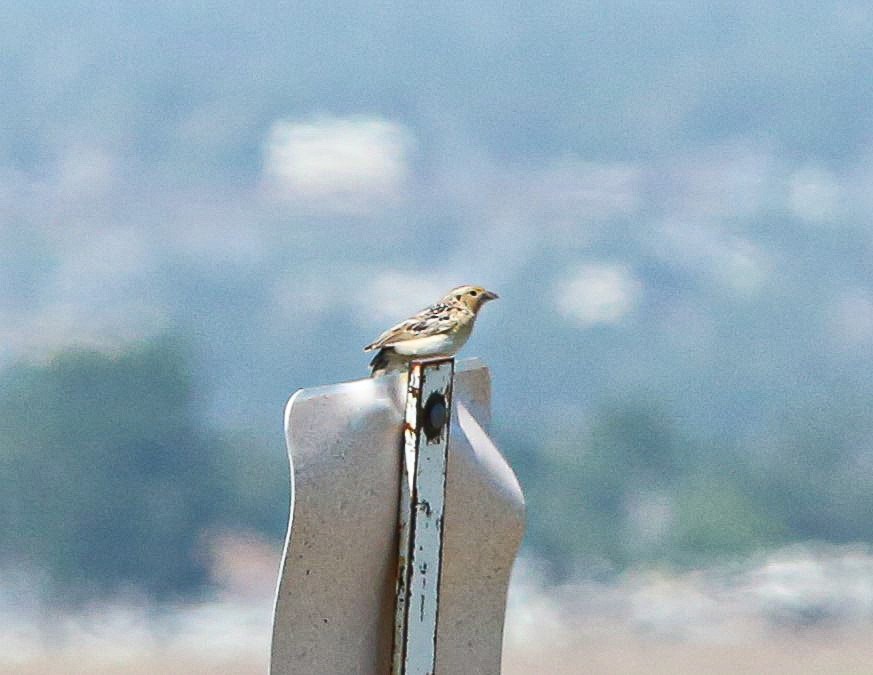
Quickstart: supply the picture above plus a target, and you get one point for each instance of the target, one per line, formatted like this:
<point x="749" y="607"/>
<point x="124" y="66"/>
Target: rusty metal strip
<point x="420" y="517"/>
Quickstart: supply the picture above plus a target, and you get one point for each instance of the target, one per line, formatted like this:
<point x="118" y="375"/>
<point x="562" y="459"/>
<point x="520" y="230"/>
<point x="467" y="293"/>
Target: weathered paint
<point x="420" y="517"/>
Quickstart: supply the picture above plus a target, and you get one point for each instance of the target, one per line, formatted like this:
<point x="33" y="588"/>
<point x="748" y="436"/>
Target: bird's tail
<point x="386" y="361"/>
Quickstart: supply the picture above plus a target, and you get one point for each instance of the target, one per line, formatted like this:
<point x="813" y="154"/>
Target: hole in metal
<point x="435" y="415"/>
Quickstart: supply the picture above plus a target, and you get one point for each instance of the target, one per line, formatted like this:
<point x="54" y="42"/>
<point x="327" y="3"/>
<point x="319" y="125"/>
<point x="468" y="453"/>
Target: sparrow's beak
<point x="489" y="295"/>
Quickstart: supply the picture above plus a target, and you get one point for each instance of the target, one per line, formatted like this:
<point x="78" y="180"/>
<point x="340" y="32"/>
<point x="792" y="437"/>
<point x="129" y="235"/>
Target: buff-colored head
<point x="472" y="296"/>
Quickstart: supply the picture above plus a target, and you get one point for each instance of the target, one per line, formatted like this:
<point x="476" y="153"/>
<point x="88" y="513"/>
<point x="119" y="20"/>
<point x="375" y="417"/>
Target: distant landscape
<point x="205" y="209"/>
<point x="798" y="610"/>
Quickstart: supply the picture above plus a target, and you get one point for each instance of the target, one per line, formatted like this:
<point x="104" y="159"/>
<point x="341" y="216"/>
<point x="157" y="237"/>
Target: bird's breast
<point x="433" y="345"/>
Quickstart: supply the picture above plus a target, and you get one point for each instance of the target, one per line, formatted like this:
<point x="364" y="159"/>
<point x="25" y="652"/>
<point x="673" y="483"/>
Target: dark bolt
<point x="435" y="415"/>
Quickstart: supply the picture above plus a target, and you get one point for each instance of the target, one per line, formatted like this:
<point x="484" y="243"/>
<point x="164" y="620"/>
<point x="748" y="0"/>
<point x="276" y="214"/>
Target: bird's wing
<point x="435" y="320"/>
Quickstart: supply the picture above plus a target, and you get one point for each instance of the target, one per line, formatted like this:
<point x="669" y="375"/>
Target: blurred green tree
<point x="108" y="480"/>
<point x="629" y="488"/>
<point x="591" y="493"/>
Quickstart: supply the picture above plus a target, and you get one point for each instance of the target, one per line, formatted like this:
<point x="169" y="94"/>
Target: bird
<point x="438" y="330"/>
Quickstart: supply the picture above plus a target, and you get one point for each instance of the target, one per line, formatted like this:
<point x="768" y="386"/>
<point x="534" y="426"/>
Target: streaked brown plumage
<point x="439" y="330"/>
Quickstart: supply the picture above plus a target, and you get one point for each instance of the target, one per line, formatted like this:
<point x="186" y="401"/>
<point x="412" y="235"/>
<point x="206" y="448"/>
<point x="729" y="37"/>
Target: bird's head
<point x="472" y="296"/>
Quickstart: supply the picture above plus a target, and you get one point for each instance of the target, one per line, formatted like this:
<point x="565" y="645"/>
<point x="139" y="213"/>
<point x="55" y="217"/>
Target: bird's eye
<point x="474" y="293"/>
<point x="457" y="297"/>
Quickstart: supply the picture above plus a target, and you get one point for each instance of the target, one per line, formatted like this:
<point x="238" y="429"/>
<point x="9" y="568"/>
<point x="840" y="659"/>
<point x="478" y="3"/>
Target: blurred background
<point x="206" y="207"/>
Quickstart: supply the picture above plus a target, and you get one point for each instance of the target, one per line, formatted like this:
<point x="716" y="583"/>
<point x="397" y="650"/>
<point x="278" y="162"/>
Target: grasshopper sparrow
<point x="440" y="330"/>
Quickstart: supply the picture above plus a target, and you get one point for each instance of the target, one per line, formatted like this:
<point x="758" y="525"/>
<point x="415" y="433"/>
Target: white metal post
<point x="420" y="517"/>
